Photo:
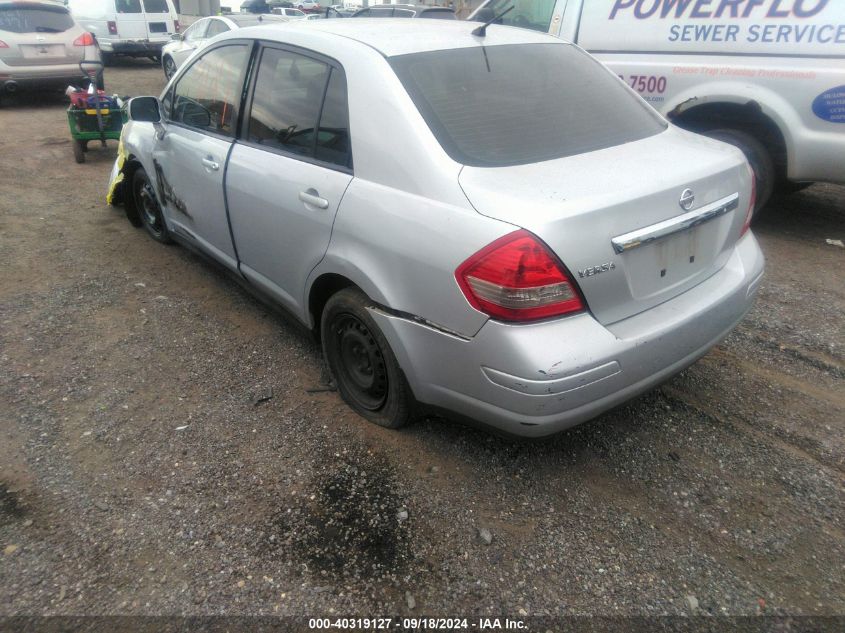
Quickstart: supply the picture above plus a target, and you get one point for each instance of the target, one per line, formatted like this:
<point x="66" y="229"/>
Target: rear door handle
<point x="312" y="197"/>
<point x="211" y="164"/>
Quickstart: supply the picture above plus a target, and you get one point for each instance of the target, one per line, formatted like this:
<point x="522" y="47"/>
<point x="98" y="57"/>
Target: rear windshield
<point x="493" y="106"/>
<point x="20" y="18"/>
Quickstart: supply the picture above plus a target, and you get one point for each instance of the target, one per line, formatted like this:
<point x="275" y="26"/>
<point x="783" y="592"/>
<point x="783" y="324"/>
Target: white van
<point x="765" y="75"/>
<point x="138" y="28"/>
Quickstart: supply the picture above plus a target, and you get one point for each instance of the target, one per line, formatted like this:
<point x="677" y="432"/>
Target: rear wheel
<point x="106" y="58"/>
<point x="758" y="157"/>
<point x="363" y="365"/>
<point x="79" y="148"/>
<point x="148" y="207"/>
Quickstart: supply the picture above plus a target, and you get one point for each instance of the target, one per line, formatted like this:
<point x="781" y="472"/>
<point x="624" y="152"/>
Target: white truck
<point x="765" y="75"/>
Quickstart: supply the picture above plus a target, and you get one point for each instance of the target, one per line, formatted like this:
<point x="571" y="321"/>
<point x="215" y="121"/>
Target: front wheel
<point x="169" y="67"/>
<point x="364" y="367"/>
<point x="148" y="207"/>
<point x="758" y="157"/>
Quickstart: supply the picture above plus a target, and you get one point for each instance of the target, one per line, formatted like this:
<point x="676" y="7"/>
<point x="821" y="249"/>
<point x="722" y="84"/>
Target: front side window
<point x="208" y="94"/>
<point x="196" y="31"/>
<point x="300" y="106"/>
<point x="18" y="18"/>
<point x="216" y="27"/>
<point x="494" y="106"/>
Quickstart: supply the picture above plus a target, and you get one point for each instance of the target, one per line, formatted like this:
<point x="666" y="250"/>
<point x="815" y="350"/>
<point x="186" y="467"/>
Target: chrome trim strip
<point x="641" y="237"/>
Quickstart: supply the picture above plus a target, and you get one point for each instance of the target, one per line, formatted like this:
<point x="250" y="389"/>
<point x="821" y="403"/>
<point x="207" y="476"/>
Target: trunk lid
<point x="615" y="219"/>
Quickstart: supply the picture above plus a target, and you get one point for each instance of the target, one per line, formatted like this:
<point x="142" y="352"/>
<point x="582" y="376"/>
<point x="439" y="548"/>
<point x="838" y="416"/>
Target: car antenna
<point x="481" y="31"/>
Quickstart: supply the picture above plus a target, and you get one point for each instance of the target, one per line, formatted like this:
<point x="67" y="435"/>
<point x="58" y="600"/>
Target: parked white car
<point x="137" y="28"/>
<point x="183" y="45"/>
<point x="765" y="75"/>
<point x="526" y="249"/>
<point x="308" y="5"/>
<point x="290" y="13"/>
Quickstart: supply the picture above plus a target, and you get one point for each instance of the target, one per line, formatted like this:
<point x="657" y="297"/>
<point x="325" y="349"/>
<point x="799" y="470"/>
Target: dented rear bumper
<point x="538" y="379"/>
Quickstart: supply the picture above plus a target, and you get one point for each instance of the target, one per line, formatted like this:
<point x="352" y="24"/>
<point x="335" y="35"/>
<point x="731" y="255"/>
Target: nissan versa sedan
<point x="485" y="223"/>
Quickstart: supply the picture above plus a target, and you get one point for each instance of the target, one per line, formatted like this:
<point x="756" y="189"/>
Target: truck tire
<point x="758" y="157"/>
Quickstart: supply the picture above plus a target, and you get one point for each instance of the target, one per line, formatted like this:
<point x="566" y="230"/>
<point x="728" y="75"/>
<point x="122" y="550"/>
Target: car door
<point x="201" y="112"/>
<point x="193" y="37"/>
<point x="130" y="22"/>
<point x="289" y="170"/>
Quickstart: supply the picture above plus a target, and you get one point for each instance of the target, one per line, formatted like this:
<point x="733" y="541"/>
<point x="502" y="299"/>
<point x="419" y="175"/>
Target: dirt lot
<point x="137" y="476"/>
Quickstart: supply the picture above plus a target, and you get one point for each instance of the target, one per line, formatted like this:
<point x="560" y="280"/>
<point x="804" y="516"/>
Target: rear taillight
<point x="176" y="26"/>
<point x="112" y="28"/>
<point x="3" y="44"/>
<point x="86" y="39"/>
<point x="517" y="278"/>
<point x="749" y="214"/>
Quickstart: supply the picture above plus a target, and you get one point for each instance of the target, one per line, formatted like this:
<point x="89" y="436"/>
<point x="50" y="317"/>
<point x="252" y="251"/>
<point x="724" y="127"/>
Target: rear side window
<point x="437" y="14"/>
<point x="299" y="106"/>
<point x="492" y="106"/>
<point x="207" y="95"/>
<point x="17" y="18"/>
<point x="128" y="6"/>
<point x="156" y="6"/>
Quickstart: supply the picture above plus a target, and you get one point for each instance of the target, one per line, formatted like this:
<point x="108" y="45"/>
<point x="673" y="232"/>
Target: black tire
<point x="156" y="59"/>
<point x="148" y="207"/>
<point x="169" y="67"/>
<point x="79" y="148"/>
<point x="758" y="157"/>
<point x="364" y="367"/>
<point x="787" y="187"/>
<point x="106" y="58"/>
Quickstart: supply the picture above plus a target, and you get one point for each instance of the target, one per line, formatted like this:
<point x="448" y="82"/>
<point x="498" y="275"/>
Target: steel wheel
<point x="169" y="67"/>
<point x="361" y="366"/>
<point x="148" y="207"/>
<point x="364" y="367"/>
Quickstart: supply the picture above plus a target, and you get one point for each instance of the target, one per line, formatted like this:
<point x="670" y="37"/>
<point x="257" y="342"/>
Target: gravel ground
<point x="138" y="474"/>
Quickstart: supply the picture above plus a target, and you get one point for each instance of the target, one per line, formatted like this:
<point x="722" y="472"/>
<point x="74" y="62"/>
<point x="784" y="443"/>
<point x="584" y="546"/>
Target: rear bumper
<point x="58" y="75"/>
<point x="132" y="47"/>
<point x="535" y="380"/>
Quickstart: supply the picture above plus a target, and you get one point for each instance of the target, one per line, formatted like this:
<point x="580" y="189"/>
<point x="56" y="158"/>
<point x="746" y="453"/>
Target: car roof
<point x="251" y="19"/>
<point x="400" y="36"/>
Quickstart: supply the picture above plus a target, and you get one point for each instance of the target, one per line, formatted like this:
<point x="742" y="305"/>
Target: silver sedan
<point x="489" y="224"/>
<point x="182" y="45"/>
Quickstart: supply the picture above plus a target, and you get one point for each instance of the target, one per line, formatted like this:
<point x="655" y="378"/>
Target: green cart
<point x="93" y="124"/>
<point x="93" y="116"/>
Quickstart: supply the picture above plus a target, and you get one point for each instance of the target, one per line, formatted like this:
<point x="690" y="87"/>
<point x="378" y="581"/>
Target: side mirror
<point x="177" y="37"/>
<point x="145" y="109"/>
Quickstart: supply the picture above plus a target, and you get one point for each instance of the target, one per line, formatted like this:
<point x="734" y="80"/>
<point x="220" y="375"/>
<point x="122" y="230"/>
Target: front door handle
<point x="312" y="197"/>
<point x="211" y="164"/>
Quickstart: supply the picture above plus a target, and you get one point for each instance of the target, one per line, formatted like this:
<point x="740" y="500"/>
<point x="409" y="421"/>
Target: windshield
<point x="527" y="14"/>
<point x="522" y="103"/>
<point x="22" y="18"/>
